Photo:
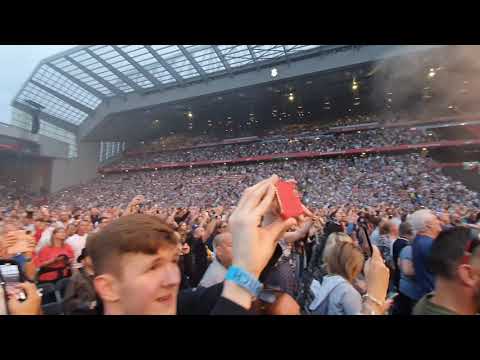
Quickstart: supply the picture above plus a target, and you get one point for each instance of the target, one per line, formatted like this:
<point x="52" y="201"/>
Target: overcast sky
<point x="16" y="64"/>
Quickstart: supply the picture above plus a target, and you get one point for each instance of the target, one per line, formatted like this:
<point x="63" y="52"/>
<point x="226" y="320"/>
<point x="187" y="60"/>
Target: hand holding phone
<point x="31" y="305"/>
<point x="12" y="276"/>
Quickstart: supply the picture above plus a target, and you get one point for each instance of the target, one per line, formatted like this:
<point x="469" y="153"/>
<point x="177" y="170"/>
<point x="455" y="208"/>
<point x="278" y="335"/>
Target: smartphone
<point x="288" y="199"/>
<point x="12" y="276"/>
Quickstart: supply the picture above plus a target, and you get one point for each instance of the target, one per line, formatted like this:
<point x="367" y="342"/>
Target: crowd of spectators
<point x="342" y="141"/>
<point x="341" y="257"/>
<point x="379" y="234"/>
<point x="402" y="181"/>
<point x="11" y="190"/>
<point x="175" y="141"/>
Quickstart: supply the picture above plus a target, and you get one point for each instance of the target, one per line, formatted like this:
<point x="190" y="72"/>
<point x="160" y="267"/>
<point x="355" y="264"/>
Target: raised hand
<point x="377" y="275"/>
<point x="253" y="245"/>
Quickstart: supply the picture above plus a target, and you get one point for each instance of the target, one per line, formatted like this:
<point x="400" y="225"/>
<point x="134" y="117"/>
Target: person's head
<point x="389" y="228"/>
<point x="406" y="230"/>
<point x="199" y="232"/>
<point x="332" y="240"/>
<point x="375" y="220"/>
<point x="424" y="222"/>
<point x="71" y="229"/>
<point x="345" y="259"/>
<point x="135" y="263"/>
<point x="455" y="261"/>
<point x="86" y="261"/>
<point x="182" y="227"/>
<point x="40" y="224"/>
<point x="106" y="219"/>
<point x="94" y="211"/>
<point x="83" y="227"/>
<point x="444" y="218"/>
<point x="64" y="216"/>
<point x="28" y="219"/>
<point x="183" y="246"/>
<point x="58" y="237"/>
<point x="222" y="245"/>
<point x="223" y="227"/>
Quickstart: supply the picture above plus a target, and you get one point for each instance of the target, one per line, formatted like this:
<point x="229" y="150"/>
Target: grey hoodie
<point x="335" y="296"/>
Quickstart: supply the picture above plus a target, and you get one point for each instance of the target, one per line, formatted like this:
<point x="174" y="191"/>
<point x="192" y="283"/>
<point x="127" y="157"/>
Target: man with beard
<point x="455" y="261"/>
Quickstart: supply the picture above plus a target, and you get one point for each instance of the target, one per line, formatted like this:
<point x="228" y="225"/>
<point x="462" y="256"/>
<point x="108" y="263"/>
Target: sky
<point x="16" y="64"/>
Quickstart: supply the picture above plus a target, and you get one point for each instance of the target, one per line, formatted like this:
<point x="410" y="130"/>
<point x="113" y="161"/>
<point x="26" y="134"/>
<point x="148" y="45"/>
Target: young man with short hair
<point x="455" y="261"/>
<point x="135" y="262"/>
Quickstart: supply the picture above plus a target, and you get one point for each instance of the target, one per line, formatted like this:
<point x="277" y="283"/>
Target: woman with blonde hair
<point x="336" y="295"/>
<point x="56" y="258"/>
<point x="333" y="239"/>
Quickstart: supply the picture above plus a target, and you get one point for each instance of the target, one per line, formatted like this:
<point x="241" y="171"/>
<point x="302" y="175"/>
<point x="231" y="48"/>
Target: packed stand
<point x="173" y="142"/>
<point x="378" y="235"/>
<point x="401" y="180"/>
<point x="343" y="141"/>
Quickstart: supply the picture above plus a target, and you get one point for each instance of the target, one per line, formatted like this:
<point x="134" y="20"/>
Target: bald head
<point x="220" y="238"/>
<point x="222" y="245"/>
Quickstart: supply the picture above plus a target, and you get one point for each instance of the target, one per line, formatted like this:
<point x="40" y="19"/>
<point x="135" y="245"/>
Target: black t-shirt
<point x="199" y="259"/>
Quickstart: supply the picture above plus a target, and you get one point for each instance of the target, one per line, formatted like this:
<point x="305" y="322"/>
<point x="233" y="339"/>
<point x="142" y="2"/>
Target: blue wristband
<point x="244" y="279"/>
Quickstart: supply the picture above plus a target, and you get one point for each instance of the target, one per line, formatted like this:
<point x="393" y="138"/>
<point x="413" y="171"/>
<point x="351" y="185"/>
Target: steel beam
<point x="118" y="73"/>
<point x="194" y="63"/>
<point x="222" y="59"/>
<point x="139" y="68"/>
<point x="252" y="54"/>
<point x="64" y="98"/>
<point x="76" y="81"/>
<point x="287" y="56"/>
<point x="90" y="73"/>
<point x="166" y="65"/>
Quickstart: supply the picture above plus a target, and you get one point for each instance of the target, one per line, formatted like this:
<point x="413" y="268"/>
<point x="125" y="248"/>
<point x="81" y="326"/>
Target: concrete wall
<point x="34" y="173"/>
<point x="48" y="147"/>
<point x="68" y="172"/>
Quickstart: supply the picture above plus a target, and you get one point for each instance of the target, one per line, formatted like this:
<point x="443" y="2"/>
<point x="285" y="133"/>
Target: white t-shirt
<point x="77" y="243"/>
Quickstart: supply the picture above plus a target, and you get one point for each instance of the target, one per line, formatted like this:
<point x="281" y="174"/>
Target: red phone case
<point x="288" y="199"/>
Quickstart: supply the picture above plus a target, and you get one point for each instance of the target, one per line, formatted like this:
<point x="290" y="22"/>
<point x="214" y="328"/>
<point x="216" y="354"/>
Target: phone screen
<point x="12" y="277"/>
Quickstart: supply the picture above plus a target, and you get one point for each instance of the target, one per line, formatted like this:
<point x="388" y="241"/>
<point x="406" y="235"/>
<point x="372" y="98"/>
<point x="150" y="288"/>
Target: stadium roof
<point x="68" y="87"/>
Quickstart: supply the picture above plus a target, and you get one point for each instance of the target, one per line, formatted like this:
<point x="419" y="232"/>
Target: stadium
<point x="378" y="127"/>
